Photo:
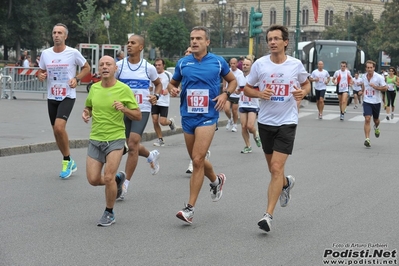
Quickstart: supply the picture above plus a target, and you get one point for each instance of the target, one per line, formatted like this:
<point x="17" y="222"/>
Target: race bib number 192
<point x="197" y="101"/>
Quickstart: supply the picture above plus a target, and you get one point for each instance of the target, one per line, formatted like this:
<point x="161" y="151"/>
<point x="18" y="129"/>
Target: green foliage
<point x="89" y="21"/>
<point x="189" y="17"/>
<point x="169" y="35"/>
<point x="218" y="17"/>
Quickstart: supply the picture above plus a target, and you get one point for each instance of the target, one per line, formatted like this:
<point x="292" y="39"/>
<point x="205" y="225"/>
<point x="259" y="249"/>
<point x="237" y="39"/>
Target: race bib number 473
<point x="197" y="101"/>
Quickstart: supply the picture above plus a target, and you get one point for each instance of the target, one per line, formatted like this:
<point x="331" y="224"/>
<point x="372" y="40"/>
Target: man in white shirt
<point x="342" y="79"/>
<point x="231" y="106"/>
<point x="320" y="77"/>
<point x="279" y="76"/>
<point x="373" y="85"/>
<point x="159" y="111"/>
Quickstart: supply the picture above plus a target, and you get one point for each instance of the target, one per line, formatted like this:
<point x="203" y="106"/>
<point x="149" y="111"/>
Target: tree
<point x="387" y="31"/>
<point x="219" y="17"/>
<point x="89" y="21"/>
<point x="169" y="35"/>
<point x="189" y="17"/>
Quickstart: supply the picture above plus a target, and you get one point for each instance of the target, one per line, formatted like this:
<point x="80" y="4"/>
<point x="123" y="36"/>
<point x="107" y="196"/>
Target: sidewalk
<point x="25" y="126"/>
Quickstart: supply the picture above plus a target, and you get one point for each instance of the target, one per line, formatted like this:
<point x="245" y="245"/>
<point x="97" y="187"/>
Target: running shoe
<point x="107" y="219"/>
<point x="266" y="222"/>
<point x="355" y="107"/>
<point x="246" y="150"/>
<point x="186" y="214"/>
<point x="123" y="194"/>
<point x="367" y="143"/>
<point x="392" y="116"/>
<point x="257" y="139"/>
<point x="154" y="164"/>
<point x="229" y="124"/>
<point x="377" y="132"/>
<point x="120" y="179"/>
<point x="234" y="128"/>
<point x="320" y="116"/>
<point x="172" y="124"/>
<point x="217" y="191"/>
<point x="159" y="143"/>
<point x="190" y="168"/>
<point x="387" y="117"/>
<point x="285" y="195"/>
<point x="68" y="167"/>
<point x="341" y="117"/>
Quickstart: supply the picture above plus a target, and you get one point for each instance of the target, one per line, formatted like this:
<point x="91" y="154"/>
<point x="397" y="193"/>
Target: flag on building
<point x="315" y="4"/>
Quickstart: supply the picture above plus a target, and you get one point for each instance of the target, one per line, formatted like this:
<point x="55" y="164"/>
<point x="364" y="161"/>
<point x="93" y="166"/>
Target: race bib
<point x="245" y="99"/>
<point x="59" y="91"/>
<point x="369" y="92"/>
<point x="281" y="89"/>
<point x="139" y="97"/>
<point x="197" y="101"/>
<point x="343" y="86"/>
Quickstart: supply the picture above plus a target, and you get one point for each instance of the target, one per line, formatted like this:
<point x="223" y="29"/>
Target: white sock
<point x="150" y="157"/>
<point x="216" y="182"/>
<point x="126" y="183"/>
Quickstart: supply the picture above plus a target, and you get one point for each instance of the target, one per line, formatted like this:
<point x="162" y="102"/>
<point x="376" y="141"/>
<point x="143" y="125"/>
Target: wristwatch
<point x="157" y="95"/>
<point x="228" y="93"/>
<point x="77" y="80"/>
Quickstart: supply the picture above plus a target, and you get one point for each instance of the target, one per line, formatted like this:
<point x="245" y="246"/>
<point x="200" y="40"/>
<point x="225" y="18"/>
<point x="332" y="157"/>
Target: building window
<point x="244" y="18"/>
<point x="203" y="18"/>
<point x="230" y="15"/>
<point x="305" y="16"/>
<point x="328" y="18"/>
<point x="272" y="16"/>
<point x="287" y="17"/>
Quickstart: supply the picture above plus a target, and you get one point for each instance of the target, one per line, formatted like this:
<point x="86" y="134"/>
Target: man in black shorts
<point x="58" y="64"/>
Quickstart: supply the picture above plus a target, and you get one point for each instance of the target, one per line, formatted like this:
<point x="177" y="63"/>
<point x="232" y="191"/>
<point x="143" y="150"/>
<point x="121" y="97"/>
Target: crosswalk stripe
<point x="330" y="116"/>
<point x="358" y="118"/>
<point x="303" y="114"/>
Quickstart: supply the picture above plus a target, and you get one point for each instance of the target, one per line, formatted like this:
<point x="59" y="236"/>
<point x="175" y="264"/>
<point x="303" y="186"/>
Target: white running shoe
<point x="266" y="222"/>
<point x="229" y="125"/>
<point x="154" y="164"/>
<point x="285" y="195"/>
<point x="190" y="168"/>
<point x="217" y="191"/>
<point x="234" y="128"/>
<point x="159" y="143"/>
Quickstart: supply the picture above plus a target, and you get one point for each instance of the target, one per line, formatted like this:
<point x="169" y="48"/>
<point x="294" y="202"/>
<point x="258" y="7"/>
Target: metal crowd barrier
<point x="21" y="80"/>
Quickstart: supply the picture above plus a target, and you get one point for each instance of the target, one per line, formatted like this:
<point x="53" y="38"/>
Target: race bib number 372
<point x="197" y="101"/>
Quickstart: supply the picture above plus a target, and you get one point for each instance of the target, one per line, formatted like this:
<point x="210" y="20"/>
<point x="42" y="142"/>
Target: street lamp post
<point x="284" y="15"/>
<point x="132" y="8"/>
<point x="106" y="18"/>
<point x="349" y="15"/>
<point x="222" y="4"/>
<point x="182" y="9"/>
<point x="297" y="29"/>
<point x="239" y="32"/>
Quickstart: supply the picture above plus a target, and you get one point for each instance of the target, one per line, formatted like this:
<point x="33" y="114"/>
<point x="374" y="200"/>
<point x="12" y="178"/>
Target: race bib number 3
<point x="197" y="101"/>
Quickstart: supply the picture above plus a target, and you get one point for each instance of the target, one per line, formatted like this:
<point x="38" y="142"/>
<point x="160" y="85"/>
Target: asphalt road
<point x="345" y="197"/>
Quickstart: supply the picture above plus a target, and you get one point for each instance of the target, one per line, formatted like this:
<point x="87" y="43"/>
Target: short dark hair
<point x="160" y="59"/>
<point x="284" y="32"/>
<point x="344" y="62"/>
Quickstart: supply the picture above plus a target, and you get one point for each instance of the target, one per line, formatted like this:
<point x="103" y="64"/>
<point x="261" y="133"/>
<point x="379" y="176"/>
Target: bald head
<point x="233" y="64"/>
<point x="107" y="68"/>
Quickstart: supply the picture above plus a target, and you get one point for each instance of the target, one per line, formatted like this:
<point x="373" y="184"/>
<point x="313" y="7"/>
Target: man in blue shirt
<point x="200" y="74"/>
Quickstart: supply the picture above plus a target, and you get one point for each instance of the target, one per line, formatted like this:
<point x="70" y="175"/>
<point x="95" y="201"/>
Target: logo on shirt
<point x="276" y="75"/>
<point x="190" y="63"/>
<point x="56" y="61"/>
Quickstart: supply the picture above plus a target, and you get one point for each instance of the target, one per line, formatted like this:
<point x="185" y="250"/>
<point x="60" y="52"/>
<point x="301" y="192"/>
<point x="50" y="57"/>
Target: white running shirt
<point x="247" y="102"/>
<point x="371" y="95"/>
<point x="164" y="98"/>
<point x="342" y="80"/>
<point x="60" y="67"/>
<point x="138" y="78"/>
<point x="322" y="76"/>
<point x="281" y="109"/>
<point x="241" y="81"/>
<point x="357" y="84"/>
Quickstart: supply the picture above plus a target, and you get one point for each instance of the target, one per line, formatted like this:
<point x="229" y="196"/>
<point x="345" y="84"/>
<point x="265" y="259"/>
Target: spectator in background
<point x="240" y="61"/>
<point x="21" y="60"/>
<point x="27" y="61"/>
<point x="36" y="64"/>
<point x="119" y="56"/>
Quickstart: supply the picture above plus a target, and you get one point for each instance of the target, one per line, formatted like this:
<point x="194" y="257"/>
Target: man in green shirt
<point x="107" y="103"/>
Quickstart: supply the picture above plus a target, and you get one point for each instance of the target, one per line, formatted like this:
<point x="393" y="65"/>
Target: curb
<point x="81" y="143"/>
